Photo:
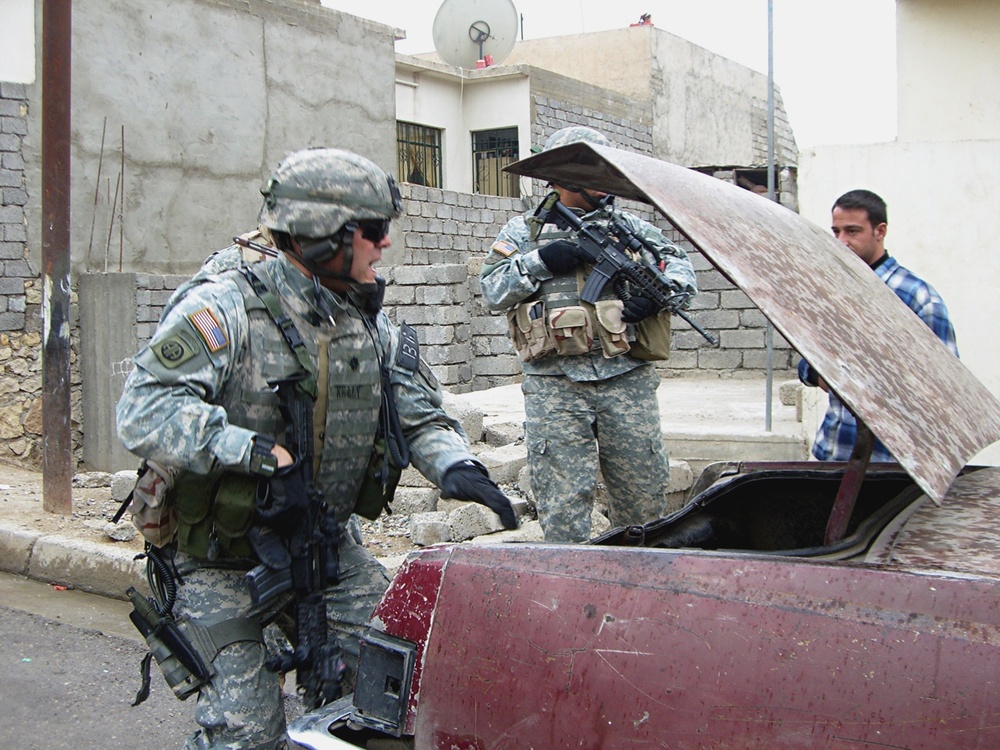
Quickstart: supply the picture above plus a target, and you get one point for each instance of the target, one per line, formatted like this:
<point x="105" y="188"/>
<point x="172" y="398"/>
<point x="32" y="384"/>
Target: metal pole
<point x="57" y="443"/>
<point x="769" y="331"/>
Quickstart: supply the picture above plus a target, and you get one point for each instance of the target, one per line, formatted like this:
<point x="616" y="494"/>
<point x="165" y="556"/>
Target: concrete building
<point x="939" y="177"/>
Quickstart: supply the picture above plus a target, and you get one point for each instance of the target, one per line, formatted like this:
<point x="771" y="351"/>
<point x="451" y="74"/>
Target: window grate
<point x="492" y="150"/>
<point x="418" y="154"/>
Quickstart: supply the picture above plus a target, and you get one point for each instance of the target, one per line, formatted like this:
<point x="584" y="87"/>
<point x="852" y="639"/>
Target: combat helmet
<point x="315" y="192"/>
<point x="575" y="134"/>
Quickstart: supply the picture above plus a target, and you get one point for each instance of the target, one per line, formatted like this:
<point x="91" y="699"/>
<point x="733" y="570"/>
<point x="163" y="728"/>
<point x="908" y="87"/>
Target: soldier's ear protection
<point x="321" y="251"/>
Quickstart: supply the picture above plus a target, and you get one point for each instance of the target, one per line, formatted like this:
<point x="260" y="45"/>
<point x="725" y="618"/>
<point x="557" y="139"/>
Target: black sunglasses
<point x="373" y="230"/>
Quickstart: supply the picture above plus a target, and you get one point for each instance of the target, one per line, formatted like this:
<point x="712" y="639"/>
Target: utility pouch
<point x="153" y="513"/>
<point x="526" y="328"/>
<point x="652" y="338"/>
<point x="572" y="330"/>
<point x="611" y="329"/>
<point x="183" y="663"/>
<point x="374" y="496"/>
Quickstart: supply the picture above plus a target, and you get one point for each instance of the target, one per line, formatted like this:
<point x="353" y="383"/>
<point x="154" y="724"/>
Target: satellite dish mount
<point x="490" y="26"/>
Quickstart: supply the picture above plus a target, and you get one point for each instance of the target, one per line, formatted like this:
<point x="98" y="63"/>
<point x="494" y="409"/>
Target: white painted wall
<point x="446" y="98"/>
<point x="17" y="60"/>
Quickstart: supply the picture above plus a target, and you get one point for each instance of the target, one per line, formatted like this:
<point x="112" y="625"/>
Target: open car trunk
<point x="781" y="510"/>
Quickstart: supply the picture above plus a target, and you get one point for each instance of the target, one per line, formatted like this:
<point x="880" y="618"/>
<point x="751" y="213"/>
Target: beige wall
<point x="948" y="59"/>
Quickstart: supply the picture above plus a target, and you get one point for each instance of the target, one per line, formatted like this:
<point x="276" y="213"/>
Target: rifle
<point x="313" y="547"/>
<point x="607" y="249"/>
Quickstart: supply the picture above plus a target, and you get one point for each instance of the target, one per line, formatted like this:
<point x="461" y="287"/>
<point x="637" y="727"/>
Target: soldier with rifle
<point x="274" y="400"/>
<point x="589" y="291"/>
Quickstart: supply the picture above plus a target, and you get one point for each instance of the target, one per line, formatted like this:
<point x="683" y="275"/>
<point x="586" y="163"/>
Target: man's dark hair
<point x="867" y="200"/>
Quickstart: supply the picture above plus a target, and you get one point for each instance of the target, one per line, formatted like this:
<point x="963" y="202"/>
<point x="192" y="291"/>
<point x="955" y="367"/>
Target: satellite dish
<point x="467" y="31"/>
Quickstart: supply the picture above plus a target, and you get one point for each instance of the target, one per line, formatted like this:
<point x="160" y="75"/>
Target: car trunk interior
<point x="782" y="511"/>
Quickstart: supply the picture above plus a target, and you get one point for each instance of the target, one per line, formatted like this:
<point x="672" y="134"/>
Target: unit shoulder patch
<point x="174" y="350"/>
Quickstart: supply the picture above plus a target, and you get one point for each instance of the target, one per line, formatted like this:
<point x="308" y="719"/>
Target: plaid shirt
<point x="835" y="438"/>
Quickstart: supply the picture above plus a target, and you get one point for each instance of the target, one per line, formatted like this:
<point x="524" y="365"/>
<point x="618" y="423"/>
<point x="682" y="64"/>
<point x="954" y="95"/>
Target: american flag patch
<point x="505" y="248"/>
<point x="209" y="329"/>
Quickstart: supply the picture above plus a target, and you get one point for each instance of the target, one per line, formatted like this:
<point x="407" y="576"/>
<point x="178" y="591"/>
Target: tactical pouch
<point x="652" y="338"/>
<point x="214" y="518"/>
<point x="611" y="329"/>
<point x="374" y="497"/>
<point x="571" y="330"/>
<point x="526" y="327"/>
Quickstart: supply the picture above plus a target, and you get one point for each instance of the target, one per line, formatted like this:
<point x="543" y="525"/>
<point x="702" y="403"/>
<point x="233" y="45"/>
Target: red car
<point x="786" y="606"/>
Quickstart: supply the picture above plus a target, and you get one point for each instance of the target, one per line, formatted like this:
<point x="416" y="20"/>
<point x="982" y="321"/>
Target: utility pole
<point x="57" y="442"/>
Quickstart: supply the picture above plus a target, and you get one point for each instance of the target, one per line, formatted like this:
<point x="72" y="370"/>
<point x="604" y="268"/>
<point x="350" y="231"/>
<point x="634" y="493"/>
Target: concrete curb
<point x="79" y="564"/>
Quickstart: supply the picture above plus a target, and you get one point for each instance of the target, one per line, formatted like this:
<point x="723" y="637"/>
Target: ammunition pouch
<point x="214" y="518"/>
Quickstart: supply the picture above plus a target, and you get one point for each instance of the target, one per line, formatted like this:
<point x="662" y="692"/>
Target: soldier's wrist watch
<point x="262" y="462"/>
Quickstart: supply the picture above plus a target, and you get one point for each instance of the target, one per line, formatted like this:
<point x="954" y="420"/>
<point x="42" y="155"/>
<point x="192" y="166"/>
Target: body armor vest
<point x="215" y="512"/>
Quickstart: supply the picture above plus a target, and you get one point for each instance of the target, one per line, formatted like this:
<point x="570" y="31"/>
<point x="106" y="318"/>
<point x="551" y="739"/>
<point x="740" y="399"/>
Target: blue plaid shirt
<point x="835" y="438"/>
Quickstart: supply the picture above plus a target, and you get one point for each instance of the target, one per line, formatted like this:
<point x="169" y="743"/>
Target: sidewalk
<point x="704" y="420"/>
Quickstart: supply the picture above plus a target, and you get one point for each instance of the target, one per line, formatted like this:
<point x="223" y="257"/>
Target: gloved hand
<point x="282" y="501"/>
<point x="638" y="308"/>
<point x="561" y="256"/>
<point x="467" y="481"/>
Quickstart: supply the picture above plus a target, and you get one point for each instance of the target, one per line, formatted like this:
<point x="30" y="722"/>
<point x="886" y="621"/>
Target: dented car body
<point x="787" y="605"/>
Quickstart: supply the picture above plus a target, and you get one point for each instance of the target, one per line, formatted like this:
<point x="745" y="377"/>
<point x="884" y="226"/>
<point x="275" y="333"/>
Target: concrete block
<point x="470" y="416"/>
<point x="122" y="483"/>
<point x="413" y="478"/>
<point x="98" y="568"/>
<point x="681" y="477"/>
<point x="503" y="433"/>
<point x="410" y="500"/>
<point x="788" y="392"/>
<point x="472" y="520"/>
<point x="529" y="531"/>
<point x="524" y="484"/>
<point x="92" y="479"/>
<point x="429" y="528"/>
<point x="16" y="544"/>
<point x="505" y="463"/>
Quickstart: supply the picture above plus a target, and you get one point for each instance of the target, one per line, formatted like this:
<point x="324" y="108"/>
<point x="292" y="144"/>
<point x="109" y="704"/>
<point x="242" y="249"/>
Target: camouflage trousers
<point x="241" y="707"/>
<point x="574" y="428"/>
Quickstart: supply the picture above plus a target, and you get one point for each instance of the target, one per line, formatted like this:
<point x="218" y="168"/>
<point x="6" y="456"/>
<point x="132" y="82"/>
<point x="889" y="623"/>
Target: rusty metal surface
<point x="883" y="362"/>
<point x="548" y="646"/>
<point x="962" y="537"/>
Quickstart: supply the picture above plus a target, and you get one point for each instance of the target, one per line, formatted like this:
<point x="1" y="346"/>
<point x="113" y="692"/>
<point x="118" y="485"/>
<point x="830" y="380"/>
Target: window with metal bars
<point x="418" y="154"/>
<point x="492" y="150"/>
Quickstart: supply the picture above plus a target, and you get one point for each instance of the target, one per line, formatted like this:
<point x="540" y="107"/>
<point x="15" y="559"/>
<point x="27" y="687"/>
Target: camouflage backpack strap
<point x="287" y="327"/>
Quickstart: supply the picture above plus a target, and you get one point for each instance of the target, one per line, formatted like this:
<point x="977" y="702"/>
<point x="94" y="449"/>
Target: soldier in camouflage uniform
<point x="589" y="381"/>
<point x="198" y="406"/>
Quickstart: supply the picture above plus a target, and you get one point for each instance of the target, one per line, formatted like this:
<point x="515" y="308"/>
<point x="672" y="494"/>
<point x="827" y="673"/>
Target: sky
<point x="834" y="60"/>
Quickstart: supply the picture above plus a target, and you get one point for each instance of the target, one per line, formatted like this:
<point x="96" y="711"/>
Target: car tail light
<point x="385" y="674"/>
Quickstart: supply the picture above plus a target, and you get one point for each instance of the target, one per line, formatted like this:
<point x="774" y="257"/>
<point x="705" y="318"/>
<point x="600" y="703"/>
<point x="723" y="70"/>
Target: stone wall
<point x="21" y="301"/>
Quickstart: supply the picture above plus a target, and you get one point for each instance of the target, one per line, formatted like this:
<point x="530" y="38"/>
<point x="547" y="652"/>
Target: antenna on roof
<point x="475" y="33"/>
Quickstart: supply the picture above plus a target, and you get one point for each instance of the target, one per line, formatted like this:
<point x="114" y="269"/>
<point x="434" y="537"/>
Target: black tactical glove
<point x="561" y="256"/>
<point x="638" y="308"/>
<point x="467" y="481"/>
<point x="282" y="501"/>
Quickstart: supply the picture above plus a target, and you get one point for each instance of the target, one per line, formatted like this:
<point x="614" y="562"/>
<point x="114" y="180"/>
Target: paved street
<point x="70" y="669"/>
